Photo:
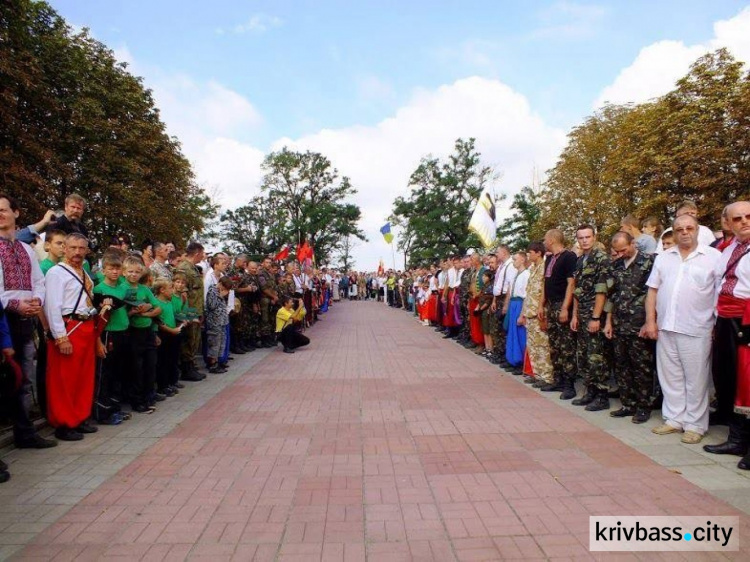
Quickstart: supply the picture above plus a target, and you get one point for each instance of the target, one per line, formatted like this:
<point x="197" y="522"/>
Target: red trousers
<point x="70" y="378"/>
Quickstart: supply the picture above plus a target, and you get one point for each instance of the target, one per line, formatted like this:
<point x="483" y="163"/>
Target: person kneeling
<point x="288" y="317"/>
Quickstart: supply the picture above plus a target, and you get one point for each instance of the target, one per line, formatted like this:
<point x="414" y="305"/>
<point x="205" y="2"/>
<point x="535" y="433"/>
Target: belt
<point x="78" y="317"/>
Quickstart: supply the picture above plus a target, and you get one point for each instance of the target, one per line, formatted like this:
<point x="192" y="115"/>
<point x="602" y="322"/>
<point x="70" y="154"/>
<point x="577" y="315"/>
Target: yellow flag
<point x="483" y="222"/>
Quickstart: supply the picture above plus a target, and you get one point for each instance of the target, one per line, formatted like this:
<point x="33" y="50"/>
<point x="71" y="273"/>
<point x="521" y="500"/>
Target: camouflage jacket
<point x="267" y="282"/>
<point x="590" y="280"/>
<point x="194" y="285"/>
<point x="628" y="290"/>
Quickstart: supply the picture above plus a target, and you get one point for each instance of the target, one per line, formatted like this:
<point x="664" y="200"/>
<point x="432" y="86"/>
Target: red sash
<point x="730" y="306"/>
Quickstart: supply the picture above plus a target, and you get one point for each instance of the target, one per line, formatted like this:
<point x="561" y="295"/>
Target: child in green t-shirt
<point x="54" y="245"/>
<point x="144" y="306"/>
<point x="168" y="353"/>
<point x="115" y="341"/>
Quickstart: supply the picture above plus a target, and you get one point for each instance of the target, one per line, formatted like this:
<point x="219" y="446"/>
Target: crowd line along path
<point x="380" y="441"/>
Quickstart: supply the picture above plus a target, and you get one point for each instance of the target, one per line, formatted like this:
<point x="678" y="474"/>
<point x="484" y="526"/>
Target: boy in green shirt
<point x="111" y="382"/>
<point x="142" y="338"/>
<point x="168" y="353"/>
<point x="54" y="245"/>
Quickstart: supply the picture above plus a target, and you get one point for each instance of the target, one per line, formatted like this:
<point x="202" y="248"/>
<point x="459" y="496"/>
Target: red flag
<point x="304" y="252"/>
<point x="283" y="254"/>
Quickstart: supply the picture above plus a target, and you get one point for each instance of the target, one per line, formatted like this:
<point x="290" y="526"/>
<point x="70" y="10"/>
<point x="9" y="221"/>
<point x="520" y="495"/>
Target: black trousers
<point x="110" y="373"/>
<point x="143" y="372"/>
<point x="724" y="365"/>
<point x="167" y="360"/>
<point x="17" y="404"/>
<point x="292" y="338"/>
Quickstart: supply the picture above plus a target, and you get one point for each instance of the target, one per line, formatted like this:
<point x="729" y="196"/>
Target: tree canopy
<point x="73" y="119"/>
<point x="692" y="143"/>
<point x="434" y="217"/>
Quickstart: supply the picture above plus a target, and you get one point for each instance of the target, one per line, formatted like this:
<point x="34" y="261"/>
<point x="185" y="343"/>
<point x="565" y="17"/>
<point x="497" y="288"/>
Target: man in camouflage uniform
<point x="237" y="274"/>
<point x="268" y="300"/>
<point x="191" y="334"/>
<point x="589" y="297"/>
<point x="626" y="314"/>
<point x="251" y="321"/>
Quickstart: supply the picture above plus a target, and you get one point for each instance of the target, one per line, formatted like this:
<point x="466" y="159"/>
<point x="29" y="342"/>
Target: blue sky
<point x="293" y="71"/>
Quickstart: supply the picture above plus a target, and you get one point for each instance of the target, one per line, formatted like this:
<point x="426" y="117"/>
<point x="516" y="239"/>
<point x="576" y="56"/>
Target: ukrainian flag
<point x="386" y="232"/>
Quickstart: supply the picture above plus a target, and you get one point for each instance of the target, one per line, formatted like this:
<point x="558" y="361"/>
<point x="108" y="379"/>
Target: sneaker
<point x="143" y="409"/>
<point x="641" y="416"/>
<point x="159" y="397"/>
<point x="87" y="427"/>
<point x="36" y="441"/>
<point x="179" y="385"/>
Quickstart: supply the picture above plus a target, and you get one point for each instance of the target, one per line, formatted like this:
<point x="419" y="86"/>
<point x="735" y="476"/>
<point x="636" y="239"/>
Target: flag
<point x="283" y="254"/>
<point x="386" y="232"/>
<point x="483" y="220"/>
<point x="304" y="251"/>
<point x="381" y="268"/>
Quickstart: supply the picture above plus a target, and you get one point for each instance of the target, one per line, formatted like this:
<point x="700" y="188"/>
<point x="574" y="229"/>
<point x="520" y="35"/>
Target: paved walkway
<point x="381" y="442"/>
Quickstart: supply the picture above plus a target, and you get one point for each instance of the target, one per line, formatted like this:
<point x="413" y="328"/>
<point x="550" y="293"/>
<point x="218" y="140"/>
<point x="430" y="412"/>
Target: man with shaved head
<point x="626" y="314"/>
<point x="733" y="271"/>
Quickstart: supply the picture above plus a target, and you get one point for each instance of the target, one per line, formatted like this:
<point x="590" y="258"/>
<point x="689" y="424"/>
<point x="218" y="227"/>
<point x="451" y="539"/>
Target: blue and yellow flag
<point x="386" y="232"/>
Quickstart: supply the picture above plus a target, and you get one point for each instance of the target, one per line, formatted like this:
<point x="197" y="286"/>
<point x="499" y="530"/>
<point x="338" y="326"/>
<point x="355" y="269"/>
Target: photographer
<point x="289" y="315"/>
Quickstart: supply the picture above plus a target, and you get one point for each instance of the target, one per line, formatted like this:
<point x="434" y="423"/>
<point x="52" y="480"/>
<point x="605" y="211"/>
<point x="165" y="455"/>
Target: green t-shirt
<point x="118" y="318"/>
<point x="177" y="304"/>
<point x="143" y="294"/>
<point x="167" y="313"/>
<point x="46" y="264"/>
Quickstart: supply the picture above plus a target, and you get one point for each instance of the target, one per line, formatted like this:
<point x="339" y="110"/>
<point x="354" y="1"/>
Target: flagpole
<point x="393" y="253"/>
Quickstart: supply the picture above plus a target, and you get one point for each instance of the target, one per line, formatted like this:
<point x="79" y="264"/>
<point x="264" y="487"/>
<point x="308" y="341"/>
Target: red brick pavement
<point x="381" y="442"/>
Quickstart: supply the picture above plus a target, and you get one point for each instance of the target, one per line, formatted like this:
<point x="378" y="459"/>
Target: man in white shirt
<point x="22" y="297"/>
<point x="733" y="274"/>
<point x="705" y="234"/>
<point x="71" y="355"/>
<point x="680" y="316"/>
<point x="504" y="277"/>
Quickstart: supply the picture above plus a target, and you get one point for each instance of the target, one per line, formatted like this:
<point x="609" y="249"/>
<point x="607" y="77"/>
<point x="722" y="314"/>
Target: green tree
<point x="313" y="199"/>
<point x="73" y="119"/>
<point x="434" y="217"/>
<point x="518" y="230"/>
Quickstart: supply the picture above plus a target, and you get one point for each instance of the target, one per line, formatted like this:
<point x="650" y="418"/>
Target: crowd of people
<point x="96" y="337"/>
<point x="665" y="314"/>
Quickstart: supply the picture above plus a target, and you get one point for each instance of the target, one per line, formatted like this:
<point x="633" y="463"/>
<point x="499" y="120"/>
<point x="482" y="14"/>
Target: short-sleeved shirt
<point x="557" y="270"/>
<point x="118" y="318"/>
<point x="686" y="298"/>
<point x="46" y="264"/>
<point x="143" y="294"/>
<point x="167" y="313"/>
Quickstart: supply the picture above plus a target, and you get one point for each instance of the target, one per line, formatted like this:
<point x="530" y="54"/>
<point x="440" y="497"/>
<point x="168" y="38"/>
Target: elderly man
<point x="71" y="354"/>
<point x="733" y="273"/>
<point x="680" y="313"/>
<point x="22" y="297"/>
<point x="626" y="314"/>
<point x="689" y="208"/>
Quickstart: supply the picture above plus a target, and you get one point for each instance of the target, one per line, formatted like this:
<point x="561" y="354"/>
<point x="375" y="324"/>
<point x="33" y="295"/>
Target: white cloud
<point x="370" y="88"/>
<point x="569" y="20"/>
<point x="380" y="159"/>
<point x="256" y="24"/>
<point x="659" y="65"/>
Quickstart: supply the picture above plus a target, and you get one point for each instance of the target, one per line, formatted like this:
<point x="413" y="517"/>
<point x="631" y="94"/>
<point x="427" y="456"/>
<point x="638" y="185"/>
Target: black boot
<point x="737" y="440"/>
<point x="569" y="388"/>
<point x="235" y="349"/>
<point x="187" y="374"/>
<point x="555" y="386"/>
<point x="600" y="402"/>
<point x="587" y="398"/>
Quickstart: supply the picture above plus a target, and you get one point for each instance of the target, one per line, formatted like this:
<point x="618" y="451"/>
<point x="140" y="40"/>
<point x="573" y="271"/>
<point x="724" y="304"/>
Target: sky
<point x="376" y="86"/>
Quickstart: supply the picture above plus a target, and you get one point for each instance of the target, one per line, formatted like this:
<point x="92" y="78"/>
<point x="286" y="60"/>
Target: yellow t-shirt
<point x="285" y="317"/>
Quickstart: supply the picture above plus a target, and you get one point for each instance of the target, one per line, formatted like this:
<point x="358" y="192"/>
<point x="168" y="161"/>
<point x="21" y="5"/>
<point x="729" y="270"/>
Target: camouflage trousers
<point x="590" y="355"/>
<point x="191" y="342"/>
<point x="537" y="344"/>
<point x="499" y="336"/>
<point x="634" y="370"/>
<point x="247" y="322"/>
<point x="562" y="343"/>
<point x="465" y="329"/>
<point x="266" y="318"/>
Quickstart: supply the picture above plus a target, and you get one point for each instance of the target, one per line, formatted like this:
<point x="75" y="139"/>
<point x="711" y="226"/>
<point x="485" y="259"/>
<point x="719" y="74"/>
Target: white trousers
<point x="684" y="367"/>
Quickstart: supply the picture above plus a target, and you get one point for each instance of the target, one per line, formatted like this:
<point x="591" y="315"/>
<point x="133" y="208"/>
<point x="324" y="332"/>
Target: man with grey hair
<point x="680" y="316"/>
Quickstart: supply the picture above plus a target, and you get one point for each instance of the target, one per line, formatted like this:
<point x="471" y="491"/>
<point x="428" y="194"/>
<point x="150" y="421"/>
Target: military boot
<point x="586" y="399"/>
<point x="569" y="388"/>
<point x="600" y="402"/>
<point x="556" y="385"/>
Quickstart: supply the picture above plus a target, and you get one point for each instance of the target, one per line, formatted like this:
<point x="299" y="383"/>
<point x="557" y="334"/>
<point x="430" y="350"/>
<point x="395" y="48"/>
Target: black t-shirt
<point x="564" y="269"/>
